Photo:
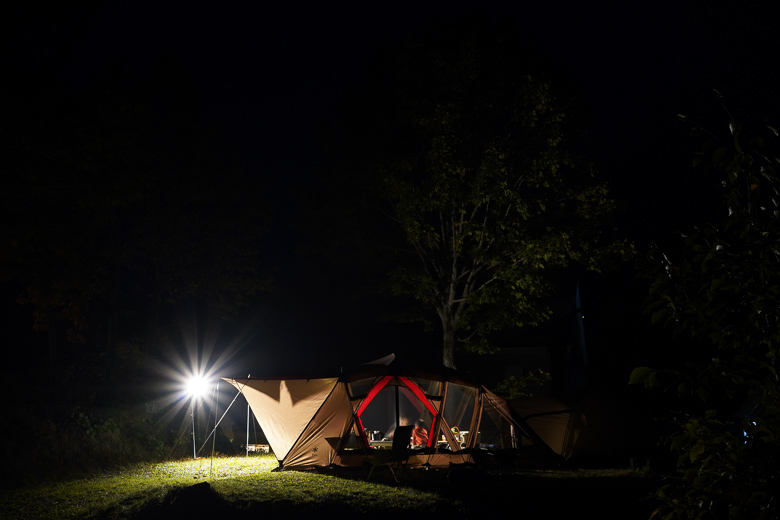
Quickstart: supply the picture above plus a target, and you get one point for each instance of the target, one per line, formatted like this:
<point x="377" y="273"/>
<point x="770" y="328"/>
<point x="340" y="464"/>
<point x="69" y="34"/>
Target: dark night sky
<point x="269" y="74"/>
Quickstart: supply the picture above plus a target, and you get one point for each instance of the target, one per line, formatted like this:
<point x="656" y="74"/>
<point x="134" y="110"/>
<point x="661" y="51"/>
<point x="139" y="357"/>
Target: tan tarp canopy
<point x="299" y="413"/>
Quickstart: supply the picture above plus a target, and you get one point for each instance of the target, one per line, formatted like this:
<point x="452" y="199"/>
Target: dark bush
<point x="47" y="443"/>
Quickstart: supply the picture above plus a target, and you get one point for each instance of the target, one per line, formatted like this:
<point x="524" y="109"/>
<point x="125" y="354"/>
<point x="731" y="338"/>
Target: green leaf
<point x="640" y="375"/>
<point x="697" y="451"/>
<point x="658" y="316"/>
<point x="682" y="460"/>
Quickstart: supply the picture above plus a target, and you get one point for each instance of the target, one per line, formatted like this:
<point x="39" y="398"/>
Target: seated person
<point x="391" y="431"/>
<point x="419" y="434"/>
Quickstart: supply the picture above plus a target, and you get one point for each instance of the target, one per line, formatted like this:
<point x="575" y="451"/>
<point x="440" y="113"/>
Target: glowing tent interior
<point x="342" y="419"/>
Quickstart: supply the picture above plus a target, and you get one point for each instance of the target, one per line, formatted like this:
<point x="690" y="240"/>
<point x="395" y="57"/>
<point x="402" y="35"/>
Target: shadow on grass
<point x="201" y="501"/>
<point x="534" y="493"/>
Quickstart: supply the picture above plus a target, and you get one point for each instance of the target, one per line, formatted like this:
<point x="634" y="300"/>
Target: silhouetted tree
<point x="461" y="140"/>
<point x="720" y="293"/>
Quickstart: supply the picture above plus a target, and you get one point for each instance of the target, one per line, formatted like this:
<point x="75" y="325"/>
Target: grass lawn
<point x="246" y="488"/>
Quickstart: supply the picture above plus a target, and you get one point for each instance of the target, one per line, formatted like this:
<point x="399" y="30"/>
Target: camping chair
<point x="397" y="456"/>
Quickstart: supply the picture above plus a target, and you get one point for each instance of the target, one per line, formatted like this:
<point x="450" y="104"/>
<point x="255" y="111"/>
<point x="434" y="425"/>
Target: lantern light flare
<point x="197" y="386"/>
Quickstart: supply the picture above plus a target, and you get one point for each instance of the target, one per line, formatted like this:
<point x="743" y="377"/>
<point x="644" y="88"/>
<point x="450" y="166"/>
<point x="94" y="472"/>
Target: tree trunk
<point x="448" y="344"/>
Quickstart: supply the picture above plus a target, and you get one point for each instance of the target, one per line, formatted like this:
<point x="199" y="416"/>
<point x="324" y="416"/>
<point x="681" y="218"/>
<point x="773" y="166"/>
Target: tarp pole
<point x="214" y="431"/>
<point x="247" y="422"/>
<point x="397" y="409"/>
<point x="214" y="439"/>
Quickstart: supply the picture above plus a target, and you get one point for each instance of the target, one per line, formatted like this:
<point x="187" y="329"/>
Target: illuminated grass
<point x="242" y="482"/>
<point x="247" y="488"/>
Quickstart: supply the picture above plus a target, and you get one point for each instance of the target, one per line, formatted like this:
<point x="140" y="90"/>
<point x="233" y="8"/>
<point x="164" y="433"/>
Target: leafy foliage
<point x="50" y="444"/>
<point x="524" y="386"/>
<point x="723" y="292"/>
<point x="463" y="140"/>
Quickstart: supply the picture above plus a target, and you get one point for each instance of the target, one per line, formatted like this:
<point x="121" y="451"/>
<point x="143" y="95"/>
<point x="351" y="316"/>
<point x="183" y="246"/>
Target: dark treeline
<point x="119" y="201"/>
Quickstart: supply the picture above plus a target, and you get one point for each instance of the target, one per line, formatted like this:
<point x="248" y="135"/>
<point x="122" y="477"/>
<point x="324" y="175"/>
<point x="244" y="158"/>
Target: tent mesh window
<point x="495" y="432"/>
<point x="459" y="410"/>
<point x="357" y="391"/>
<point x="431" y="388"/>
<point x="395" y="404"/>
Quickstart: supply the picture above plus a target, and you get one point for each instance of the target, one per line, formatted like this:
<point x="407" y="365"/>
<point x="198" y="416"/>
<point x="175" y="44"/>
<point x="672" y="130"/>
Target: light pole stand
<point x="194" y="453"/>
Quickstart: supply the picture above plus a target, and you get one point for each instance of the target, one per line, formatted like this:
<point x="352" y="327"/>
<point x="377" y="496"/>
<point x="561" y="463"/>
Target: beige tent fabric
<point x="284" y="408"/>
<point x="320" y="440"/>
<point x="555" y="423"/>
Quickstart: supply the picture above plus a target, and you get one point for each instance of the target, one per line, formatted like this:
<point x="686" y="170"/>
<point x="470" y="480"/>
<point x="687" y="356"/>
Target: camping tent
<point x="557" y="424"/>
<point x="343" y="418"/>
<point x="589" y="429"/>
